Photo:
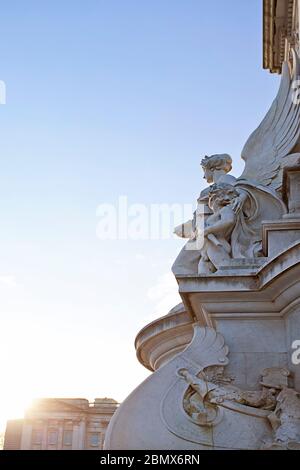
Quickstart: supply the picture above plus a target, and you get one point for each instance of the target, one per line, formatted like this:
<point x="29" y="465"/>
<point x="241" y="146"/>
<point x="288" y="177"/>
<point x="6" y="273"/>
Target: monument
<point x="225" y="374"/>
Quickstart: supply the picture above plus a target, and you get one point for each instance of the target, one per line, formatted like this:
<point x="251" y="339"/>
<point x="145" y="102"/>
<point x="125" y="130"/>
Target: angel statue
<point x="257" y="190"/>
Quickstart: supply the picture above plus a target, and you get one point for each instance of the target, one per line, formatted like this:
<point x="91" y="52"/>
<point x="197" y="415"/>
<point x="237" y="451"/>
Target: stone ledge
<point x="265" y="294"/>
<point x="161" y="339"/>
<point x="291" y="227"/>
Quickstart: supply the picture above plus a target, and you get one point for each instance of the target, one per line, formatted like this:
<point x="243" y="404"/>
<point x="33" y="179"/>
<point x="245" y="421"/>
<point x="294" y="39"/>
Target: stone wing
<point x="278" y="134"/>
<point x="207" y="348"/>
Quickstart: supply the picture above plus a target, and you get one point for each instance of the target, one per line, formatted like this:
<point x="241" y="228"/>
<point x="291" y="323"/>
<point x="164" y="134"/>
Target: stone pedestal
<point x="277" y="235"/>
<point x="280" y="234"/>
<point x="255" y="313"/>
<point x="291" y="190"/>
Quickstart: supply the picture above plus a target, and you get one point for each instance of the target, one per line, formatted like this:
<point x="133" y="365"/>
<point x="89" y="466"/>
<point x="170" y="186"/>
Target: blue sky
<point x="107" y="98"/>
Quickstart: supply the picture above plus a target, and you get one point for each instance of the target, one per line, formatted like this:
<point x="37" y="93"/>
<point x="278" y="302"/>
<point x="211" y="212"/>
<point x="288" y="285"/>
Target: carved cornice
<point x="270" y="293"/>
<point x="280" y="32"/>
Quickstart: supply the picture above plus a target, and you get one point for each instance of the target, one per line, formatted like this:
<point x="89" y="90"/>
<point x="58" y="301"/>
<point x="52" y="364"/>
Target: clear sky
<point x="107" y="98"/>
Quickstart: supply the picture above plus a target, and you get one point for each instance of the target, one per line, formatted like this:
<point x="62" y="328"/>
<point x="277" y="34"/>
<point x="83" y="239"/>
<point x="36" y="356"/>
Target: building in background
<point x="280" y="32"/>
<point x="1" y="440"/>
<point x="61" y="423"/>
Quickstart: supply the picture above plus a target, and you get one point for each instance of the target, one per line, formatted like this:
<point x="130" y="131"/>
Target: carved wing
<point x="277" y="135"/>
<point x="207" y="348"/>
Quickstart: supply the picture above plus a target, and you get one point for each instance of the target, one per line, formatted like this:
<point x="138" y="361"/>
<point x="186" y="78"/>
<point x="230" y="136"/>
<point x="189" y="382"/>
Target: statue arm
<point x="197" y="384"/>
<point x="228" y="220"/>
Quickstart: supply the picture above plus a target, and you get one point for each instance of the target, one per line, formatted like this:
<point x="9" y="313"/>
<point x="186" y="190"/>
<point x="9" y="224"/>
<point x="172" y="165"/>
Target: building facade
<point x="61" y="424"/>
<point x="280" y="32"/>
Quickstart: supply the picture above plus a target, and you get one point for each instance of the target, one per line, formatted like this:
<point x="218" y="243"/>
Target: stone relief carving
<point x="211" y="390"/>
<point x="285" y="421"/>
<point x="255" y="195"/>
<point x="199" y="402"/>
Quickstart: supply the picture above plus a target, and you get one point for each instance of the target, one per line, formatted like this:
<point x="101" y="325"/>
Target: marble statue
<point x="218" y="229"/>
<point x="224" y="376"/>
<point x="258" y="189"/>
<point x="250" y="203"/>
<point x="215" y="170"/>
<point x="253" y="203"/>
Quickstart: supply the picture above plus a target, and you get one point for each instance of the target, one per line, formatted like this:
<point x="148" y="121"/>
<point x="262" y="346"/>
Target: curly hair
<point x="224" y="190"/>
<point x="221" y="161"/>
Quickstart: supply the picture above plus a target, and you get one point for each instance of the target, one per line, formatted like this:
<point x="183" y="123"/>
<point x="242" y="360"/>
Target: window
<point x="52" y="437"/>
<point x="37" y="436"/>
<point x="67" y="438"/>
<point x="94" y="439"/>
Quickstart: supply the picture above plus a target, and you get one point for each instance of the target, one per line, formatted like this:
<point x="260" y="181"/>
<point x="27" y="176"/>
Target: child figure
<point x="218" y="228"/>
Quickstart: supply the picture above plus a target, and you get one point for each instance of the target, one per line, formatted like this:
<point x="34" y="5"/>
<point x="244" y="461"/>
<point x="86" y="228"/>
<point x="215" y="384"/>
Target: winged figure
<point x="235" y="232"/>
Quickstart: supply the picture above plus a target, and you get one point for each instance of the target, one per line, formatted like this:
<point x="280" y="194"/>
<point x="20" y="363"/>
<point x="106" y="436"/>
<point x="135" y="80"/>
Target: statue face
<point x="218" y="162"/>
<point x="219" y="200"/>
<point x="221" y="195"/>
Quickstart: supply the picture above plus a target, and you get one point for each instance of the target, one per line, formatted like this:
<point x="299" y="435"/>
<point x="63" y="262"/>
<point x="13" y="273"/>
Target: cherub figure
<point x="215" y="169"/>
<point x="251" y="203"/>
<point x="216" y="246"/>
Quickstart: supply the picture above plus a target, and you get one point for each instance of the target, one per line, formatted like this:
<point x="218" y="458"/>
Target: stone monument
<point x="224" y="375"/>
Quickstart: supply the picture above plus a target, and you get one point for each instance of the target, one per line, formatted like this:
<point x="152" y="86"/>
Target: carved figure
<point x="218" y="228"/>
<point x="259" y="187"/>
<point x="206" y="394"/>
<point x="211" y="389"/>
<point x="285" y="420"/>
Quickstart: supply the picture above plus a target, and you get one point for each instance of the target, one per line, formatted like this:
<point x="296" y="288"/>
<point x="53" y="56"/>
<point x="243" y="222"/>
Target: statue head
<point x="219" y="162"/>
<point x="221" y="195"/>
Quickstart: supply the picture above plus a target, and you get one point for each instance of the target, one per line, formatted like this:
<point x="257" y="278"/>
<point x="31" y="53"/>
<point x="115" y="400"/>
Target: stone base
<point x="241" y="266"/>
<point x="280" y="234"/>
<point x="254" y="316"/>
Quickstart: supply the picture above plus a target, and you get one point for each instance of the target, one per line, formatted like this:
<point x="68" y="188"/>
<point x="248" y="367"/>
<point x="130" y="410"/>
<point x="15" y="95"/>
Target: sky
<point x="107" y="99"/>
